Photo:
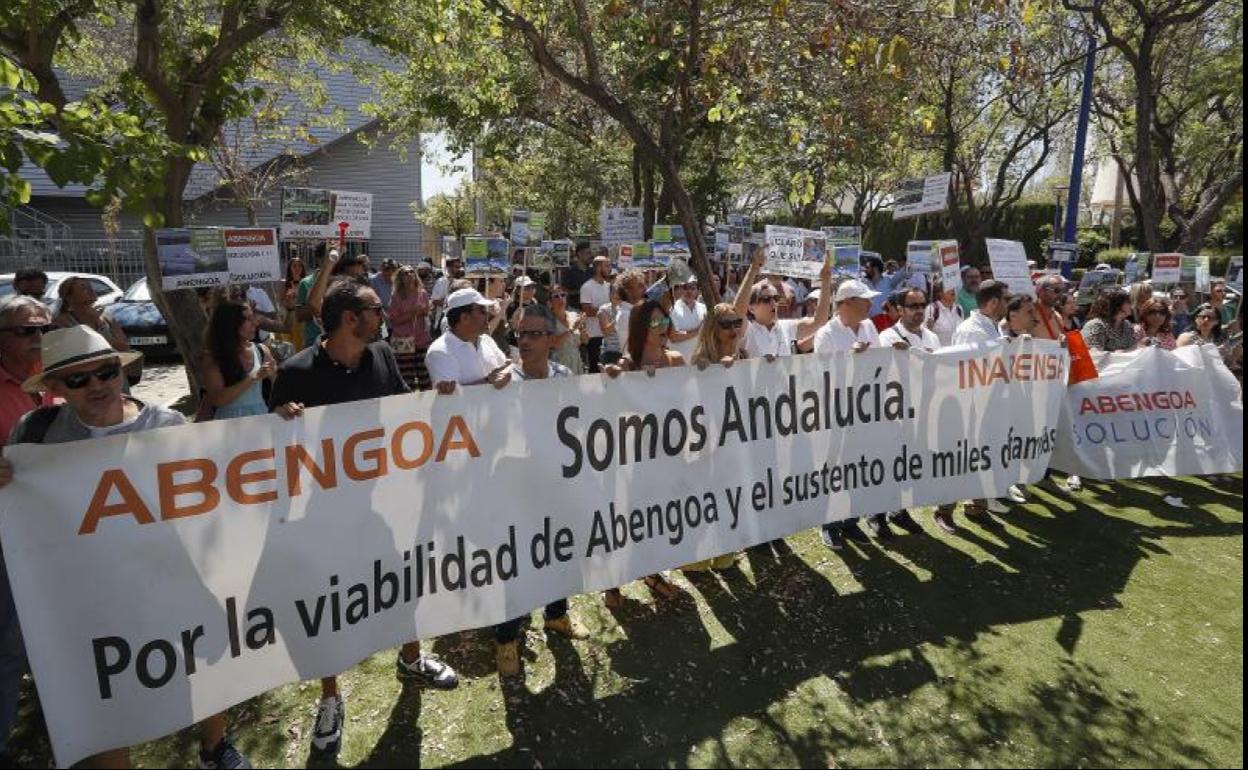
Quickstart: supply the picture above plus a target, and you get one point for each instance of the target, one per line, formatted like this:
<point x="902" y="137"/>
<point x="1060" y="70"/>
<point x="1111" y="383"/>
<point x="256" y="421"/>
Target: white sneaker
<point x="327" y="734"/>
<point x="1015" y="494"/>
<point x="1074" y="483"/>
<point x="997" y="507"/>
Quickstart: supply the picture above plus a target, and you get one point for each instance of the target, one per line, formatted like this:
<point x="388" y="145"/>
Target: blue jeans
<point x="509" y="631"/>
<point x="12" y="658"/>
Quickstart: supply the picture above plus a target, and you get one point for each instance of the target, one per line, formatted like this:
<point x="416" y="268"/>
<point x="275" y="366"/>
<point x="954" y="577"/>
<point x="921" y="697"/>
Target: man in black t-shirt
<point x="348" y="363"/>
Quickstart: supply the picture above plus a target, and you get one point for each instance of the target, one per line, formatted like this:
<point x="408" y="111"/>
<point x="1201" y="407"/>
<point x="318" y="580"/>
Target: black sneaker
<point x="878" y="526"/>
<point x="851" y="531"/>
<point x="832" y="537"/>
<point x="223" y="756"/>
<point x="426" y="671"/>
<point x="327" y="733"/>
<point x="904" y="520"/>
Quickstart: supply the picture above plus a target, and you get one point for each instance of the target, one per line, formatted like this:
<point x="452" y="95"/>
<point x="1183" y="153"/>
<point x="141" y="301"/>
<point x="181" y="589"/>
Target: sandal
<point x="613" y="598"/>
<point x="661" y="586"/>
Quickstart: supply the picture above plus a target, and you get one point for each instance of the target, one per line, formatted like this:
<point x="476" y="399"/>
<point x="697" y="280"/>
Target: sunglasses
<point x="531" y="333"/>
<point x="1156" y="312"/>
<point x="662" y="322"/>
<point x="28" y="331"/>
<point x="79" y="380"/>
<point x="731" y="323"/>
<point x="1204" y="318"/>
<point x="559" y="295"/>
<point x="376" y="307"/>
<point x="915" y="306"/>
<point x="772" y="298"/>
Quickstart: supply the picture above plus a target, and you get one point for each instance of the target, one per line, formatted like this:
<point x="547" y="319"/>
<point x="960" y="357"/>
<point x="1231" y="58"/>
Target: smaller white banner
<point x="927" y="195"/>
<point x="1009" y="265"/>
<point x="795" y="251"/>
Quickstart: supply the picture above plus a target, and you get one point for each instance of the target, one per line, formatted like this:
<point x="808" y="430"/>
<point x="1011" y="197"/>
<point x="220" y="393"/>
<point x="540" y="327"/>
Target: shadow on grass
<point x="790" y="626"/>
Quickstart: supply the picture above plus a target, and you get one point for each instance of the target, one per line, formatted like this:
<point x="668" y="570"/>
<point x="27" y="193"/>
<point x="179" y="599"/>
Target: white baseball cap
<point x="524" y="281"/>
<point x="854" y="290"/>
<point x="466" y="297"/>
<point x="813" y="296"/>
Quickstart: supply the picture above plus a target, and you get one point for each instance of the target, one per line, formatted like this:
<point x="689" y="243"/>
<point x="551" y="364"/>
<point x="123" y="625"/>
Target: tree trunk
<point x="647" y="200"/>
<point x="637" y="176"/>
<point x="693" y="230"/>
<point x="181" y="309"/>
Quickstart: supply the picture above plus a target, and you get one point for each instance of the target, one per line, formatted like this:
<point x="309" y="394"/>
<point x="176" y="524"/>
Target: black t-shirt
<point x="573" y="278"/>
<point x="312" y="378"/>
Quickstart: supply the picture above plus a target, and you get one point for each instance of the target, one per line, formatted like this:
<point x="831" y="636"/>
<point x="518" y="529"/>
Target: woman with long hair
<point x="408" y="318"/>
<point x="1154" y="325"/>
<point x="1207" y="328"/>
<point x="719" y="338"/>
<point x="1107" y="327"/>
<point x="648" y="328"/>
<point x="233" y="368"/>
<point x="78" y="309"/>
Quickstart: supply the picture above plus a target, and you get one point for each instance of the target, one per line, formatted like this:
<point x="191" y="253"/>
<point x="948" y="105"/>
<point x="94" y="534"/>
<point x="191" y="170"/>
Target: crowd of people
<point x="349" y="334"/>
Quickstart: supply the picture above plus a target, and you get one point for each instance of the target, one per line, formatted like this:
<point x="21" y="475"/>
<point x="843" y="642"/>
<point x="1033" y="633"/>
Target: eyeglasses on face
<point x="730" y="323"/>
<point x="532" y="334"/>
<point x="766" y="298"/>
<point x="559" y="295"/>
<point x="27" y="331"/>
<point x="79" y="380"/>
<point x="660" y="322"/>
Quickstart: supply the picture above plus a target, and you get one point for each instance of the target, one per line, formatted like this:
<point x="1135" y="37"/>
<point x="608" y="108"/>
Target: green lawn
<point x="1100" y="630"/>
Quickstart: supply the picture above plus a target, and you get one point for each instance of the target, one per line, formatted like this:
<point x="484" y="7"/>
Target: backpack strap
<point x="35" y="427"/>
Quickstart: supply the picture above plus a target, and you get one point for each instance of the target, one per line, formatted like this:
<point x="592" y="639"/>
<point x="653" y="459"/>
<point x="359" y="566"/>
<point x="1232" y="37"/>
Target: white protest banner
<point x="1235" y="274"/>
<point x="176" y="572"/>
<point x="950" y="265"/>
<point x="1167" y="268"/>
<point x="795" y="251"/>
<point x="252" y="254"/>
<point x="919" y="256"/>
<point x="315" y="213"/>
<point x="927" y="195"/>
<point x="621" y="225"/>
<point x="1154" y="412"/>
<point x="192" y="258"/>
<point x="1009" y="265"/>
<point x="451" y="247"/>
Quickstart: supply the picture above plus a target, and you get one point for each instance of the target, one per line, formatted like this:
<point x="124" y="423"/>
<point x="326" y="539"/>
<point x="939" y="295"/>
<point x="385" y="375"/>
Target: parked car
<point x="106" y="291"/>
<point x="142" y="321"/>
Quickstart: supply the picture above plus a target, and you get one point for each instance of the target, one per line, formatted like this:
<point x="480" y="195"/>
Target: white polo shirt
<point x="835" y="336"/>
<point x="597" y="294"/>
<point x="451" y="359"/>
<point x="687" y="319"/>
<point x="776" y="341"/>
<point x="976" y="330"/>
<point x="926" y="339"/>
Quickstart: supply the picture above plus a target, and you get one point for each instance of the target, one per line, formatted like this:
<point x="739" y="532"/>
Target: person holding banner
<point x="688" y="313"/>
<point x="466" y="354"/>
<point x="767" y="335"/>
<point x="719" y="339"/>
<point x="1107" y="327"/>
<point x="849" y="329"/>
<point x="1020" y="317"/>
<point x="1050" y="295"/>
<point x="81" y="369"/>
<point x="630" y="285"/>
<point x="23" y="322"/>
<point x="535" y="333"/>
<point x="349" y="363"/>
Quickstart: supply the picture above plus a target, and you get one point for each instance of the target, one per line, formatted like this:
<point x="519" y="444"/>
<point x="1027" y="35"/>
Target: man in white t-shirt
<point x="595" y="293"/>
<point x="465" y="355"/>
<point x="265" y="311"/>
<point x="849" y="329"/>
<point x="767" y="335"/>
<point x="909" y="331"/>
<point x="631" y="286"/>
<point x="687" y="314"/>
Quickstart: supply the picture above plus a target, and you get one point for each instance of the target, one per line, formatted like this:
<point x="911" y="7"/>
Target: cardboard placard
<point x="1009" y="265"/>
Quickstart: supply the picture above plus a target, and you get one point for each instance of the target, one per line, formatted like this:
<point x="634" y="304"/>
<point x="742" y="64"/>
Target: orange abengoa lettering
<point x="376" y="455"/>
<point x="297" y="455"/>
<point x="236" y="479"/>
<point x="130" y="504"/>
<point x="170" y="491"/>
<point x="457" y="425"/>
<point x="401" y="461"/>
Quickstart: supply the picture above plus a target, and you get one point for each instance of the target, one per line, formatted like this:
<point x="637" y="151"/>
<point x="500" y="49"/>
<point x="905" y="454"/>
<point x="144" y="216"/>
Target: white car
<point x="106" y="291"/>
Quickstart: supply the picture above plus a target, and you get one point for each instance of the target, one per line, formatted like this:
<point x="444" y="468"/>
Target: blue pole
<point x="1081" y="142"/>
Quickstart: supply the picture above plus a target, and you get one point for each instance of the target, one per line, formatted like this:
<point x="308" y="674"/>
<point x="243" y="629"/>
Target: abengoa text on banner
<point x="164" y="576"/>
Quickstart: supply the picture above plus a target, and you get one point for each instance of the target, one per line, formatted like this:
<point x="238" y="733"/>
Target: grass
<point x="1105" y="629"/>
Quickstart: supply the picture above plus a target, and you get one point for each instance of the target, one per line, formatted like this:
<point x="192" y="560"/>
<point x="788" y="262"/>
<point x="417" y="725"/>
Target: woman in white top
<point x="944" y="314"/>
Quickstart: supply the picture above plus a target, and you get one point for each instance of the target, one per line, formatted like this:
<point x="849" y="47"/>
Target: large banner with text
<point x="165" y="576"/>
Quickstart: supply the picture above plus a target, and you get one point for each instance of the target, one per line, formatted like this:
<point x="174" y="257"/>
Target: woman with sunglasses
<point x="233" y="368"/>
<point x="648" y="328"/>
<point x="719" y="338"/>
<point x="569" y="332"/>
<point x="1154" y="326"/>
<point x="1208" y="328"/>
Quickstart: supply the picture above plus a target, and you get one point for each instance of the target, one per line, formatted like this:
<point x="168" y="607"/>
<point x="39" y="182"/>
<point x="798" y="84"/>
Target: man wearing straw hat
<point x="82" y="369"/>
